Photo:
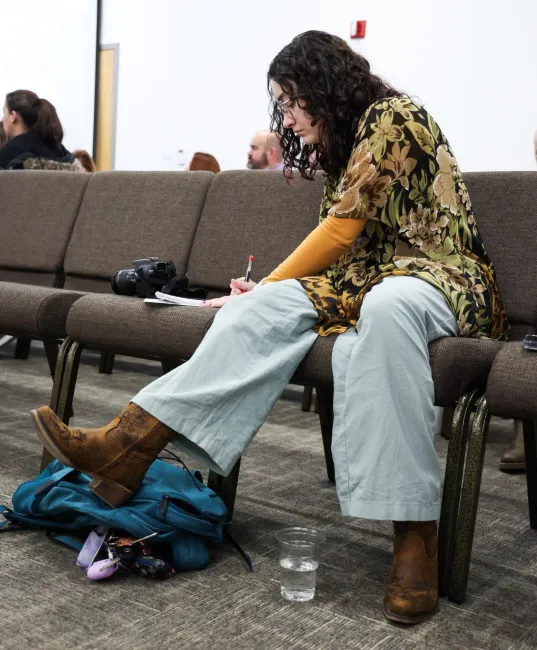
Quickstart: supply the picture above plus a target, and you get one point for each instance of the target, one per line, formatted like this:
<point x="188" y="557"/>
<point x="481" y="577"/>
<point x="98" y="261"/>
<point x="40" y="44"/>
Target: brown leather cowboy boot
<point x="411" y="594"/>
<point x="116" y="456"/>
<point x="514" y="458"/>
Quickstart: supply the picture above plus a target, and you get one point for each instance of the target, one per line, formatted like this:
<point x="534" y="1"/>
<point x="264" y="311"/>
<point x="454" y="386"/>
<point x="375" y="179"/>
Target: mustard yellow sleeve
<point x="321" y="248"/>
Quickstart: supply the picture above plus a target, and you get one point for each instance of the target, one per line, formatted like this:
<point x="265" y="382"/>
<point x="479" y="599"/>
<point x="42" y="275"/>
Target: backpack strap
<point x="57" y="476"/>
<point x="3" y="510"/>
<point x="239" y="548"/>
<point x="8" y="524"/>
<point x="68" y="540"/>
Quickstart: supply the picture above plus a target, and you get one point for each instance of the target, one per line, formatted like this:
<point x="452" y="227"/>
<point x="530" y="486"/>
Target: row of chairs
<point x="64" y="235"/>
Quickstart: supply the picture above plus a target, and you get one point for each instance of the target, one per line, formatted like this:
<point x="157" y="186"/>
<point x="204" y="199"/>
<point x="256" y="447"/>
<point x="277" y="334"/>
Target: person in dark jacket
<point x="34" y="134"/>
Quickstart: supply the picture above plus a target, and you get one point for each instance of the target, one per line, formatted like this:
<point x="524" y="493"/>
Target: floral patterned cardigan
<point x="402" y="177"/>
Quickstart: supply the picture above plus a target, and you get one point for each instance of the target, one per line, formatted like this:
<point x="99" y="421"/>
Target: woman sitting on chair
<point x="395" y="263"/>
<point x="34" y="134"/>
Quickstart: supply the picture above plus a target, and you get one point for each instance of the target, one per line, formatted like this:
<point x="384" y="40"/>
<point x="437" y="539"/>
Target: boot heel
<point x="112" y="493"/>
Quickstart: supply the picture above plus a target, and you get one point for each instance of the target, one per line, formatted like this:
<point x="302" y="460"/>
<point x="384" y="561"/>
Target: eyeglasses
<point x="287" y="106"/>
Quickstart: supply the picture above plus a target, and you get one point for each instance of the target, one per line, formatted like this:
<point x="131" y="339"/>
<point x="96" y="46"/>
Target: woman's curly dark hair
<point x="333" y="84"/>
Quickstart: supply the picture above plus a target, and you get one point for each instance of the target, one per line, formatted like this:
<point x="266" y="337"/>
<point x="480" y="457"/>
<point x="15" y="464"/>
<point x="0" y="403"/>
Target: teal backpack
<point x="171" y="501"/>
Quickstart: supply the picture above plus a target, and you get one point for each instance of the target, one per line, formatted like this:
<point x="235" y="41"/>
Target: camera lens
<point x="124" y="282"/>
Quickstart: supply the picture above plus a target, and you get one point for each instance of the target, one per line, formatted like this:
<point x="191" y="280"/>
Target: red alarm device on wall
<point x="358" y="29"/>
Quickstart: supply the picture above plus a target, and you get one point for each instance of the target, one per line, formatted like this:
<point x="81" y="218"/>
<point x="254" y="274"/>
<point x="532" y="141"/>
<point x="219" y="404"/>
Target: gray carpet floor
<point x="46" y="601"/>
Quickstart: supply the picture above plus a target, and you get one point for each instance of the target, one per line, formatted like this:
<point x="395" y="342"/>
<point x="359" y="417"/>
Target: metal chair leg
<point x="46" y="457"/>
<point x="447" y="422"/>
<point x="61" y="400"/>
<point x="307" y="397"/>
<point x="67" y="390"/>
<point x="452" y="487"/>
<point x="106" y="363"/>
<point x="530" y="448"/>
<point x="58" y="374"/>
<point x="226" y="486"/>
<point x="169" y="364"/>
<point x="325" y="404"/>
<point x="51" y="350"/>
<point x="475" y="457"/>
<point x="22" y="348"/>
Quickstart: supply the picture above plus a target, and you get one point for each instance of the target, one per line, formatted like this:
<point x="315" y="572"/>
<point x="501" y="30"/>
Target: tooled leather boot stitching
<point x="411" y="594"/>
<point x="117" y="456"/>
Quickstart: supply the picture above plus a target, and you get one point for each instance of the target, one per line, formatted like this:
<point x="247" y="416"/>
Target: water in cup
<point x="299" y="550"/>
<point x="297" y="578"/>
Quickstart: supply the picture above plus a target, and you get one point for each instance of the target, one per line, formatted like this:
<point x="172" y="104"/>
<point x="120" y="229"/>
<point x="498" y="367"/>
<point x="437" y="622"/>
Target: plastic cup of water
<point x="299" y="550"/>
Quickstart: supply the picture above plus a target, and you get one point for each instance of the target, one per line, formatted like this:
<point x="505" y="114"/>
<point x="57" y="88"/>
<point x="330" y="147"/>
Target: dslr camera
<point x="147" y="276"/>
<point x="150" y="275"/>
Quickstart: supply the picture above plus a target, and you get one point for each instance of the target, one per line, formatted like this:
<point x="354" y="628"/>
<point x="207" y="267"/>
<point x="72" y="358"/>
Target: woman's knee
<point x="242" y="313"/>
<point x="234" y="311"/>
<point x="392" y="303"/>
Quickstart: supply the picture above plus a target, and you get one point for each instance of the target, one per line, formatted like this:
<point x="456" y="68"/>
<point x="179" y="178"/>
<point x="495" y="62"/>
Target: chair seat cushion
<point x="457" y="364"/>
<point x="460" y="364"/>
<point x="130" y="326"/>
<point x="29" y="310"/>
<point x="316" y="367"/>
<point x="512" y="384"/>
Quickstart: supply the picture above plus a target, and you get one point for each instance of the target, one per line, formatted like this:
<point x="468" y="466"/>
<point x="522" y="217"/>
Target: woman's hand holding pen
<point x="238" y="287"/>
<point x="241" y="286"/>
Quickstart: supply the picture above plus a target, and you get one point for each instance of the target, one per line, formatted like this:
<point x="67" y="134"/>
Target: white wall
<point x="49" y="47"/>
<point x="192" y="74"/>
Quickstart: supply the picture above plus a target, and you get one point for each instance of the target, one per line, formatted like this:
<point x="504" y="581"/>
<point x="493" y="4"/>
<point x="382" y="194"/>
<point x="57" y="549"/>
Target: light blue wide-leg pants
<point x="386" y="465"/>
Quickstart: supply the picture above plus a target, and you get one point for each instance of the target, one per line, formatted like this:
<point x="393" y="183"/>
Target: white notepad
<point x="166" y="299"/>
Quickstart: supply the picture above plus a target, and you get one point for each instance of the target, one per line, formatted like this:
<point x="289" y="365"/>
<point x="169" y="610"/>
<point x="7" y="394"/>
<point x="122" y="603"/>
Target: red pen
<point x="249" y="268"/>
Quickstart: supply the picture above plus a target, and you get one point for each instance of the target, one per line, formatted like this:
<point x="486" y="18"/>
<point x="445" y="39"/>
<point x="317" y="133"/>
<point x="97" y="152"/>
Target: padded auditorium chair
<point x="38" y="210"/>
<point x="278" y="215"/>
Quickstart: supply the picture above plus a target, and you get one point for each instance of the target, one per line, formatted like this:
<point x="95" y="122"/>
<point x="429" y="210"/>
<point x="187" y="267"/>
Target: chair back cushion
<point x="505" y="209"/>
<point x="37" y="213"/>
<point x="256" y="213"/>
<point x="131" y="215"/>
